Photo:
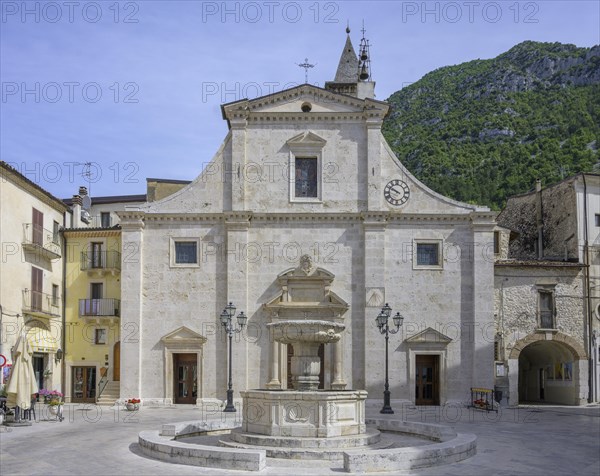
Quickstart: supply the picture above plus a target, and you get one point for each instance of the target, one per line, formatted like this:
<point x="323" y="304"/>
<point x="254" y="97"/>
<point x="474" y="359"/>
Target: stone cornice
<point x="483" y="221"/>
<point x="375" y="218"/>
<point x="244" y="109"/>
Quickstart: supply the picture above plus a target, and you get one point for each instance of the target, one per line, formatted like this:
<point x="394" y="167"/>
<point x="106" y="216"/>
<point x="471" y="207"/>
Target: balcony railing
<point x="38" y="239"/>
<point x="106" y="307"/>
<point x="100" y="260"/>
<point x="41" y="304"/>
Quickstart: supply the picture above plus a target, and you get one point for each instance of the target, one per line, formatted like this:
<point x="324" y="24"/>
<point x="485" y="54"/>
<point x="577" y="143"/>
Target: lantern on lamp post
<point x="384" y="328"/>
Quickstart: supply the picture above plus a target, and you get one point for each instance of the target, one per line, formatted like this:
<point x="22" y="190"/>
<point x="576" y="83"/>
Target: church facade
<point x="304" y="182"/>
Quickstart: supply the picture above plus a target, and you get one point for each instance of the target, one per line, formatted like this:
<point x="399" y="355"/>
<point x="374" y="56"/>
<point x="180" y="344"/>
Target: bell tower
<point x="353" y="75"/>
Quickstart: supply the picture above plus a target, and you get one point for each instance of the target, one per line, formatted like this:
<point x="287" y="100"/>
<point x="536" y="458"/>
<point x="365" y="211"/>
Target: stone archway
<point x="547" y="368"/>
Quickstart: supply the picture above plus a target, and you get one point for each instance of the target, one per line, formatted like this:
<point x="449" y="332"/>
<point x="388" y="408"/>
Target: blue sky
<point x="135" y="87"/>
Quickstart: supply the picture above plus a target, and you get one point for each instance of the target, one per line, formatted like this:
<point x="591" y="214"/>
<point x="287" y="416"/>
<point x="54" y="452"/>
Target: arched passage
<point x="545" y="370"/>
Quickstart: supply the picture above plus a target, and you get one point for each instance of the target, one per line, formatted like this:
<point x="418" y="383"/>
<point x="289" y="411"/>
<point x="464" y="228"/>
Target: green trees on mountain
<point x="484" y="130"/>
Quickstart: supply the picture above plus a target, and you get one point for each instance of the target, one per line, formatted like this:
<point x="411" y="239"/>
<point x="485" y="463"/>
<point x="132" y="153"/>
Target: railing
<point x="41" y="303"/>
<point x="35" y="236"/>
<point x="107" y="307"/>
<point x="100" y="260"/>
<point x="103" y="381"/>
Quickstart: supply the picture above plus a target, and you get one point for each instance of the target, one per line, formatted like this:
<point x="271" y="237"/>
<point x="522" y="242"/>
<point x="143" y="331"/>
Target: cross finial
<point x="306" y="65"/>
<point x="348" y="26"/>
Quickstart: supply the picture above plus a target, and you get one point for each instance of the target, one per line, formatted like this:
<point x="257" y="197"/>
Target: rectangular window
<point x="55" y="295"/>
<point x="306" y="177"/>
<point x="597" y="219"/>
<point x="96" y="255"/>
<point x="55" y="233"/>
<point x="105" y="219"/>
<point x="38" y="227"/>
<point x="496" y="242"/>
<point x="100" y="337"/>
<point x="546" y="307"/>
<point x="186" y="252"/>
<point x="428" y="254"/>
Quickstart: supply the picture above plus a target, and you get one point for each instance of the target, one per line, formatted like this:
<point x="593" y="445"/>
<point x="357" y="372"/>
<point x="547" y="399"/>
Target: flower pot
<point x="132" y="406"/>
<point x="54" y="409"/>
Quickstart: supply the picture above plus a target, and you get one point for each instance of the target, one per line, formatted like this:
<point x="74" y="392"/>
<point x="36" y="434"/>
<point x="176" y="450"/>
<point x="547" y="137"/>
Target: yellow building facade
<point x="92" y="310"/>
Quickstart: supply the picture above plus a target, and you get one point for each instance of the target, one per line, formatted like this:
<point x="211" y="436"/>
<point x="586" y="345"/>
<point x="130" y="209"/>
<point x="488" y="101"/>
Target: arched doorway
<point x="543" y="370"/>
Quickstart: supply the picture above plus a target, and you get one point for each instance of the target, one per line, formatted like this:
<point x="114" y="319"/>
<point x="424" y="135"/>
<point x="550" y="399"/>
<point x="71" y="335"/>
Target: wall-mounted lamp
<point x="59" y="355"/>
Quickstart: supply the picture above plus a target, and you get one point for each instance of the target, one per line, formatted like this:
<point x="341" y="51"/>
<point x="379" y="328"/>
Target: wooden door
<point x="37" y="278"/>
<point x="83" y="385"/>
<point x="427" y="380"/>
<point x="185" y="378"/>
<point x="117" y="361"/>
<point x="290" y="354"/>
<point x="37" y="220"/>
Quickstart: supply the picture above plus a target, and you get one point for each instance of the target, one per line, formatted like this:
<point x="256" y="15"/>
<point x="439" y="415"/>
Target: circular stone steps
<point x="299" y="448"/>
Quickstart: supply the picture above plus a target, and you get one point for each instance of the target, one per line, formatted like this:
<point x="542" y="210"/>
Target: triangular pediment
<point x="291" y="101"/>
<point x="183" y="335"/>
<point x="429" y="336"/>
<point x="306" y="139"/>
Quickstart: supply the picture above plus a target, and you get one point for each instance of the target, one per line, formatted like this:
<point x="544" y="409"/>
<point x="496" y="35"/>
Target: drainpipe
<point x="63" y="342"/>
<point x="586" y="271"/>
<point x="539" y="219"/>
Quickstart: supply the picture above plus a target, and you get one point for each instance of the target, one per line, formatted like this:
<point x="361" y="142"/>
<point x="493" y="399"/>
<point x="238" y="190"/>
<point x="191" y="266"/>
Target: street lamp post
<point x="384" y="328"/>
<point x="227" y="322"/>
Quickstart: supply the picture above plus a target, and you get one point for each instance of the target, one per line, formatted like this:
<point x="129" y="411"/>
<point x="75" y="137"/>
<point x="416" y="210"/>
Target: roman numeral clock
<point x="396" y="192"/>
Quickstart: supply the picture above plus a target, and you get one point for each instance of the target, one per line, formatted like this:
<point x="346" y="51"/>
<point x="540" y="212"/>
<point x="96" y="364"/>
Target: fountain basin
<point x="308" y="414"/>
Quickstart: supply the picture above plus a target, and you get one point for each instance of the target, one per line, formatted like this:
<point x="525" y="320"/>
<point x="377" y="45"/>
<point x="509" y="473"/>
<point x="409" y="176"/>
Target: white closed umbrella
<point x="22" y="383"/>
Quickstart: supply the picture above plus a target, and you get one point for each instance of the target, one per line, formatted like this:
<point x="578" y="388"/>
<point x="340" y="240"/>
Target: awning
<point x="42" y="340"/>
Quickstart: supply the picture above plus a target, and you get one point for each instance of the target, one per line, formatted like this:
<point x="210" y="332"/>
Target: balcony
<point x="100" y="263"/>
<point x="99" y="308"/>
<point x="41" y="241"/>
<point x="40" y="304"/>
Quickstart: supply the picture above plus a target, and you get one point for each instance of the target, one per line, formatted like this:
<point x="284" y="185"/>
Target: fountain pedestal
<point x="316" y="414"/>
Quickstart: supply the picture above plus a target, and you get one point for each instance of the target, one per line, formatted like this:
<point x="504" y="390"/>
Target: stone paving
<point x="528" y="440"/>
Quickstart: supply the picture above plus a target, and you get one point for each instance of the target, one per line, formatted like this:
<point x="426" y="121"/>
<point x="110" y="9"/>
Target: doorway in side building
<point x="83" y="385"/>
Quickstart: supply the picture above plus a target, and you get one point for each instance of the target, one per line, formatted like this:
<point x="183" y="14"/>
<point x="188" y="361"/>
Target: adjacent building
<point x="547" y="284"/>
<point x="31" y="274"/>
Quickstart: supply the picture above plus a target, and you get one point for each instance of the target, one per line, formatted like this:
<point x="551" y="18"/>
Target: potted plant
<point x="133" y="404"/>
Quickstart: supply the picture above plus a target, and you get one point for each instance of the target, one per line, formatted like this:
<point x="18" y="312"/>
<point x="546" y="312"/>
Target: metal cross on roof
<point x="306" y="65"/>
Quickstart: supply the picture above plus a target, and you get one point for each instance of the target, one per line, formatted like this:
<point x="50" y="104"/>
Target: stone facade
<point x="248" y="225"/>
<point x="554" y="235"/>
<point x="525" y="346"/>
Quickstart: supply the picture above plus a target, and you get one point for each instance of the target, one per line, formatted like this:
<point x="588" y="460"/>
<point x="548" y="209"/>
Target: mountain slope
<point x="484" y="130"/>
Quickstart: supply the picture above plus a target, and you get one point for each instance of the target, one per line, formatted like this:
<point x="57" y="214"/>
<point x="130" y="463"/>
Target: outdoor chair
<point x="27" y="413"/>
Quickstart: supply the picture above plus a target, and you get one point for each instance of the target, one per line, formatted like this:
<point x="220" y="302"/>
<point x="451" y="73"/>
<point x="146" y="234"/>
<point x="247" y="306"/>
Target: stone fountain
<point x="305" y="314"/>
<point x="304" y="422"/>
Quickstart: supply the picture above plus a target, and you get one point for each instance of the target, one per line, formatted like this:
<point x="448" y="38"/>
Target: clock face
<point x="396" y="192"/>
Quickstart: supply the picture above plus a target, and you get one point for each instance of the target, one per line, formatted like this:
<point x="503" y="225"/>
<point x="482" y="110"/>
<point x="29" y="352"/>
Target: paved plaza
<point x="93" y="440"/>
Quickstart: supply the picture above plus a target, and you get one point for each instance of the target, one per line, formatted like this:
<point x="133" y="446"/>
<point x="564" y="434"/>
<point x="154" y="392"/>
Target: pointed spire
<point x="348" y="65"/>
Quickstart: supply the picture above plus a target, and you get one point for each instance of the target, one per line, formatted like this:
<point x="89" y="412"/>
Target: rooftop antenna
<point x="86" y="173"/>
<point x="364" y="58"/>
<point x="306" y="65"/>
